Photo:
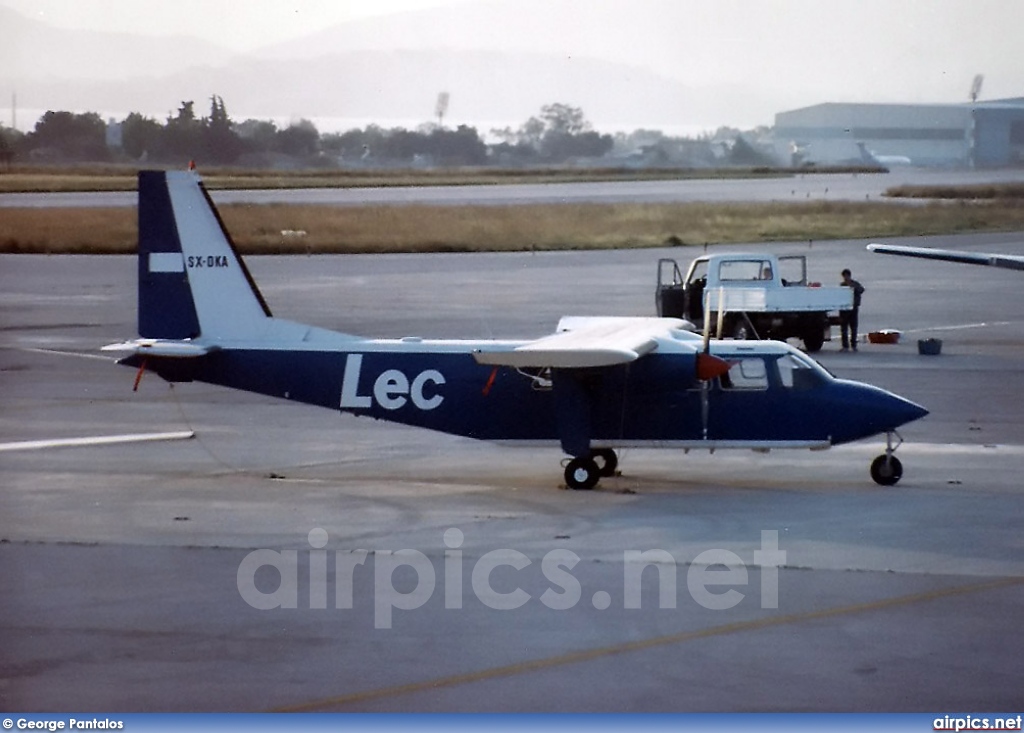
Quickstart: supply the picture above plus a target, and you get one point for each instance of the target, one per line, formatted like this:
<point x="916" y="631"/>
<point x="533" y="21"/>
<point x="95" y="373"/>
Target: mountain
<point x="666" y="64"/>
<point x="31" y="51"/>
<point x="486" y="88"/>
<point x="377" y="69"/>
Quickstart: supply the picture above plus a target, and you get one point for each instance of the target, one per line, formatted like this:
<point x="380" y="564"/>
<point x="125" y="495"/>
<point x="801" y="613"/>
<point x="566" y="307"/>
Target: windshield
<point x="798" y="371"/>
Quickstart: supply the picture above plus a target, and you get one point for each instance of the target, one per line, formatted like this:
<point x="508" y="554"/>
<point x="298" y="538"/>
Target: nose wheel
<point x="887" y="469"/>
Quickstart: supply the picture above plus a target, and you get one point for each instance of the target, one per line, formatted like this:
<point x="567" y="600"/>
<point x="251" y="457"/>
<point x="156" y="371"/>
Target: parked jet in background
<point x="595" y="385"/>
<point x="1009" y="262"/>
<point x="872" y="158"/>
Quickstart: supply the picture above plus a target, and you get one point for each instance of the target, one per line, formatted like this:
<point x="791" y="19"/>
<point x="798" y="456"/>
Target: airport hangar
<point x="971" y="135"/>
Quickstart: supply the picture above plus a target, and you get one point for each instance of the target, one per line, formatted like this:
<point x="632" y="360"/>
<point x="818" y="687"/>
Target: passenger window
<point x="746" y="374"/>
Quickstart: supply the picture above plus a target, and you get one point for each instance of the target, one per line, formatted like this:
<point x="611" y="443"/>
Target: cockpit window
<point x="747" y="373"/>
<point x="799" y="372"/>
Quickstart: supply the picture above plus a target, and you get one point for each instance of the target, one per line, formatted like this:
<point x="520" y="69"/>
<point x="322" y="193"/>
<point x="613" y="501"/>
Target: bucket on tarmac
<point x="929" y="347"/>
<point x="885" y="336"/>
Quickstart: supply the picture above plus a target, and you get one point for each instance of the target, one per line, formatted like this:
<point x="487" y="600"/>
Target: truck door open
<point x="670" y="294"/>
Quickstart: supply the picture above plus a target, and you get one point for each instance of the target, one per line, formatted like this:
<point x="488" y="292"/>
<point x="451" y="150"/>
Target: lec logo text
<point x="392" y="389"/>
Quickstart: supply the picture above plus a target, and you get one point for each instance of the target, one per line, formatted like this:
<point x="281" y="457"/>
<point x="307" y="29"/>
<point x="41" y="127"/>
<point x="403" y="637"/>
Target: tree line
<point x="559" y="134"/>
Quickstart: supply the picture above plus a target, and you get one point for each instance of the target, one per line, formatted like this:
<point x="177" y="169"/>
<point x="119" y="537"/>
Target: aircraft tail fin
<point x="192" y="281"/>
<point x="865" y="155"/>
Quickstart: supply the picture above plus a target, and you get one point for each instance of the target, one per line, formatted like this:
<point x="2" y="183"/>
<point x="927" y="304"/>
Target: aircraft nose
<point x="870" y="411"/>
<point x="903" y="411"/>
<point x="890" y="411"/>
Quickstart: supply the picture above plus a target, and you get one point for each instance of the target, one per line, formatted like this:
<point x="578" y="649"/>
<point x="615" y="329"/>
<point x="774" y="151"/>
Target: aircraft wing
<point x="1009" y="262"/>
<point x="587" y="342"/>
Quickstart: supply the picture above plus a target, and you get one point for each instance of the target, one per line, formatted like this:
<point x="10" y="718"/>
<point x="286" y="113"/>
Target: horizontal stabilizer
<point x="160" y="347"/>
<point x="586" y="342"/>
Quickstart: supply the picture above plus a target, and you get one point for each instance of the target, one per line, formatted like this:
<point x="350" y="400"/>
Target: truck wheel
<point x="813" y="340"/>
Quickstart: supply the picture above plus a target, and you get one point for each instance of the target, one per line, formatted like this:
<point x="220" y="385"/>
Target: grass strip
<point x="34" y="179"/>
<point x="977" y="191"/>
<point x="288" y="229"/>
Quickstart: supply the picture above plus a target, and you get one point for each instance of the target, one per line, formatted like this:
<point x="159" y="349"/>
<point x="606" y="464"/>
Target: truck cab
<point x="751" y="296"/>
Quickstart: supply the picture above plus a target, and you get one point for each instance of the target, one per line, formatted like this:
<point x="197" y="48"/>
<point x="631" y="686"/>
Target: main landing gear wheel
<point x="886" y="470"/>
<point x="606" y="461"/>
<point x="582" y="474"/>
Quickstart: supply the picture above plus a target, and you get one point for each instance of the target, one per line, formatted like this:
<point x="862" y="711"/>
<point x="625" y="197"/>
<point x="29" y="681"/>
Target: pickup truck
<point x="745" y="296"/>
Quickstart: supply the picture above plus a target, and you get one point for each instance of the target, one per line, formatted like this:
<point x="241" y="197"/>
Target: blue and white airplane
<point x="594" y="386"/>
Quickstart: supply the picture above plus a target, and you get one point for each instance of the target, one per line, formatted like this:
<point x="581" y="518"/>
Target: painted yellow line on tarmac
<point x="634" y="646"/>
<point x="96" y="440"/>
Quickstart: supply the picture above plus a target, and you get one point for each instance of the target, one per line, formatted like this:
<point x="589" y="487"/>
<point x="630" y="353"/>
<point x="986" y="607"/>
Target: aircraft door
<point x="741" y="403"/>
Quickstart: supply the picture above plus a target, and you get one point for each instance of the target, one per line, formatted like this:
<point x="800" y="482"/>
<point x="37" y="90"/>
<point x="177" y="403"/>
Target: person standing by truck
<point x="848" y="319"/>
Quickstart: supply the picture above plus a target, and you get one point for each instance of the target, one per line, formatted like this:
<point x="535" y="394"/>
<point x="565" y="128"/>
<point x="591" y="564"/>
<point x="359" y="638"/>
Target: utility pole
<point x="442" y="107"/>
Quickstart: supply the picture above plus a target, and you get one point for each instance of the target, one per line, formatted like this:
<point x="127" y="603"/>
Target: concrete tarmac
<point x="127" y="569"/>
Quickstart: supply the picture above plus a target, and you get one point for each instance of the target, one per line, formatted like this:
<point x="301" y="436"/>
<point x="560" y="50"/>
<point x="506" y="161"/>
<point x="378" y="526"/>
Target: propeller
<point x="709" y="366"/>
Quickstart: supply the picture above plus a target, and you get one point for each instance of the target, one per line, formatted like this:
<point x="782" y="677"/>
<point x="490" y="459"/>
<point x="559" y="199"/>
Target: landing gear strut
<point x="886" y="470"/>
<point x="583" y="472"/>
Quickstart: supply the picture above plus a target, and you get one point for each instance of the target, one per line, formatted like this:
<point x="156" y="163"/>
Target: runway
<point x="801" y="187"/>
<point x="124" y="565"/>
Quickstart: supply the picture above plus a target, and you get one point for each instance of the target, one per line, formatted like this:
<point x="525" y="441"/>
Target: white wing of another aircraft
<point x="1009" y="262"/>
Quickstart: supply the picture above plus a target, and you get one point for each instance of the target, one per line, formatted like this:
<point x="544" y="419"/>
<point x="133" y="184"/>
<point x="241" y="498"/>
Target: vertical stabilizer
<point x="166" y="310"/>
<point x="191" y="280"/>
<point x="866" y="156"/>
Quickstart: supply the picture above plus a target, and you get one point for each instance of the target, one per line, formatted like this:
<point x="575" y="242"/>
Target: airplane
<point x="594" y="386"/>
<point x="1009" y="262"/>
<point x="872" y="158"/>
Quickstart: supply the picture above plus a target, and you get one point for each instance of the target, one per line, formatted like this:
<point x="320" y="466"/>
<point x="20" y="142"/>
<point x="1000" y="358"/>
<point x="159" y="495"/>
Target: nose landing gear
<point x="887" y="469"/>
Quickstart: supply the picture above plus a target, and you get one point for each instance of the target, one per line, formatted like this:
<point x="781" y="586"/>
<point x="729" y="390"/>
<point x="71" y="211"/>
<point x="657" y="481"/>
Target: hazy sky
<point x="768" y="55"/>
<point x="252" y="23"/>
<point x="927" y="47"/>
